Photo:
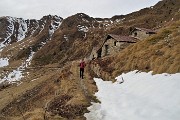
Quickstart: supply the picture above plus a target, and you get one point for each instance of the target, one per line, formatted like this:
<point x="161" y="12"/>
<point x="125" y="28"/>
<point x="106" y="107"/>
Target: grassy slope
<point x="159" y="53"/>
<point x="48" y="88"/>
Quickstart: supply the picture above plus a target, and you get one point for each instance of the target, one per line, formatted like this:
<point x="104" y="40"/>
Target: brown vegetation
<point x="59" y="93"/>
<point x="159" y="53"/>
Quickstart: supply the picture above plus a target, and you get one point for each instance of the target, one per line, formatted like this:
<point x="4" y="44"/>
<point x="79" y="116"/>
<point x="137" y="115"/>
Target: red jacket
<point x="82" y="64"/>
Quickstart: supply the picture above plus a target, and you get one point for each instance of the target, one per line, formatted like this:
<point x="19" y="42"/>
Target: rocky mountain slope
<point x="39" y="59"/>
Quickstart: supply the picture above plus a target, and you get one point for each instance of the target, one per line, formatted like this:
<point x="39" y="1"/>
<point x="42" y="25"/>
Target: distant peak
<point x="81" y="14"/>
<point x="51" y="17"/>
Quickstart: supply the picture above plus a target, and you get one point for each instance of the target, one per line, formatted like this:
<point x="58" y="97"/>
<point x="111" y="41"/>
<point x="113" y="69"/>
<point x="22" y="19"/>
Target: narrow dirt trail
<point x="84" y="82"/>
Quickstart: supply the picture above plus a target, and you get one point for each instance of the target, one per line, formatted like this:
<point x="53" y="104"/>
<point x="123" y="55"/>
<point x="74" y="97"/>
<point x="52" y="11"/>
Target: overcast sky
<point x="30" y="9"/>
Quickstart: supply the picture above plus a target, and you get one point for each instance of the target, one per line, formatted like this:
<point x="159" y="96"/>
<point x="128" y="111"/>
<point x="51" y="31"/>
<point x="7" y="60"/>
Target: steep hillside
<point x="20" y="37"/>
<point x="73" y="40"/>
<point x="153" y="17"/>
<point x="159" y="53"/>
<point x="16" y="29"/>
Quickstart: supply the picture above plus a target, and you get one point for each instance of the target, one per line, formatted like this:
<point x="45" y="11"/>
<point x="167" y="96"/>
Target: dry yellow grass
<point x="46" y="88"/>
<point x="159" y="53"/>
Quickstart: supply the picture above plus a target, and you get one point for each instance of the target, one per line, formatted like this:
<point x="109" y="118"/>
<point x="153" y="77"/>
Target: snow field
<point x="142" y="96"/>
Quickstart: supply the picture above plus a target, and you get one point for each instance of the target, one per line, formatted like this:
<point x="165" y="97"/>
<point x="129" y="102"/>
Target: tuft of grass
<point x="156" y="38"/>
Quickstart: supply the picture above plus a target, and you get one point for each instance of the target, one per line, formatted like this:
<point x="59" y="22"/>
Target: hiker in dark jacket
<point x="82" y="66"/>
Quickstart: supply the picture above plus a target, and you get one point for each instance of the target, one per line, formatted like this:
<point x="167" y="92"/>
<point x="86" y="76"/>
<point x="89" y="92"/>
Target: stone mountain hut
<point x="142" y="33"/>
<point x="112" y="44"/>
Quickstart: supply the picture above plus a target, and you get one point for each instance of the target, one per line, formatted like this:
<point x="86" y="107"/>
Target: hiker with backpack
<point x="82" y="66"/>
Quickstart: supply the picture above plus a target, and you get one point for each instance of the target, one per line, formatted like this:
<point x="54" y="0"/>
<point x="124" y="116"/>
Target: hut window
<point x="114" y="43"/>
<point x="93" y="57"/>
<point x="135" y="34"/>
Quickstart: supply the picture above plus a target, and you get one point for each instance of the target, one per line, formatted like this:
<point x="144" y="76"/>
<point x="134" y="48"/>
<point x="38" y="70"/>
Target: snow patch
<point x="120" y="20"/>
<point x="99" y="21"/>
<point x="85" y="20"/>
<point x="13" y="76"/>
<point x="34" y="28"/>
<point x="66" y="37"/>
<point x="17" y="75"/>
<point x="2" y="46"/>
<point x="4" y="62"/>
<point x="142" y="96"/>
<point x="42" y="26"/>
<point x="22" y="29"/>
<point x="83" y="28"/>
<point x="54" y="25"/>
<point x="10" y="29"/>
<point x="111" y="21"/>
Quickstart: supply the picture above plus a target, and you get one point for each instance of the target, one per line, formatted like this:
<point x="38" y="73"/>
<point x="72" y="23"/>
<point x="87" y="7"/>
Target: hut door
<point x="99" y="53"/>
<point x="106" y="49"/>
<point x="135" y="34"/>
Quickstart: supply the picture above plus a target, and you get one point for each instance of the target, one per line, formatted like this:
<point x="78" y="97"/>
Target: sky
<point x="36" y="9"/>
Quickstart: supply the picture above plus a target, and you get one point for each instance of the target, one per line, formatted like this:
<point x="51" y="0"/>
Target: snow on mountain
<point x="13" y="29"/>
<point x="142" y="96"/>
<point x="28" y="61"/>
<point x="4" y="62"/>
<point x="66" y="37"/>
<point x="21" y="28"/>
<point x="33" y="25"/>
<point x="55" y="25"/>
<point x="10" y="29"/>
<point x="1" y="46"/>
<point x="42" y="26"/>
<point x="120" y="20"/>
<point x="16" y="29"/>
<point x="82" y="28"/>
<point x="17" y="74"/>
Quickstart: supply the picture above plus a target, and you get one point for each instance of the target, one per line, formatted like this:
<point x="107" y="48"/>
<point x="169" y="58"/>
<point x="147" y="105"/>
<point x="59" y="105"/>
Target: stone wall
<point x="140" y="34"/>
<point x="93" y="54"/>
<point x="94" y="66"/>
<point x="111" y="46"/>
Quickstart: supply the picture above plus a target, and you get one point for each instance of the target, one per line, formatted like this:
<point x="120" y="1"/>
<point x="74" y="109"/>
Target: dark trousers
<point x="81" y="72"/>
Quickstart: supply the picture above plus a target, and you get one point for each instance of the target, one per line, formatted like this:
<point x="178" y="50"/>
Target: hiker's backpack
<point x="82" y="65"/>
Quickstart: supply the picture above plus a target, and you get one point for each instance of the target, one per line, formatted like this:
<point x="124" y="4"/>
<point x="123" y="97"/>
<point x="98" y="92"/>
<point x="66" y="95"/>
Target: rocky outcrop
<point x="16" y="29"/>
